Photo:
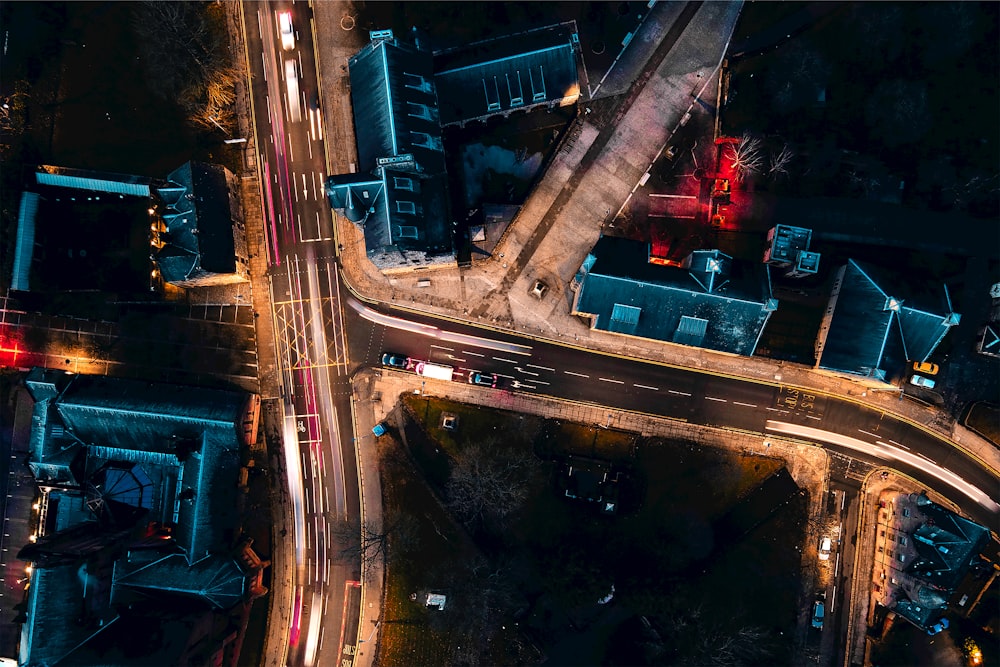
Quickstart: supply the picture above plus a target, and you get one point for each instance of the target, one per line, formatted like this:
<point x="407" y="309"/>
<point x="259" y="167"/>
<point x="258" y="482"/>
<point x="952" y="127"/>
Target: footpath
<point x="599" y="163"/>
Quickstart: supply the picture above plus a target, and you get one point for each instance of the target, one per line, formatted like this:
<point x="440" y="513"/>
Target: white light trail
<point x="888" y="452"/>
<point x="434" y="332"/>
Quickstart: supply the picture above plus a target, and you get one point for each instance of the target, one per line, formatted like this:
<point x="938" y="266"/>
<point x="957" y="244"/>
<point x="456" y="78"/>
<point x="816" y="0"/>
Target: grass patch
<point x="568" y="438"/>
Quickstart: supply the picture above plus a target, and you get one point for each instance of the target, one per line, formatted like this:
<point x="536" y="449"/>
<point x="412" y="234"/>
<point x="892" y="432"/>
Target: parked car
<point x="287" y="31"/>
<point x="819" y="610"/>
<point x="925" y="367"/>
<point x="395" y="360"/>
<point x="483" y="379"/>
<point x="379" y="429"/>
<point x="921" y="381"/>
<point x="825" y="546"/>
<point x="938" y="627"/>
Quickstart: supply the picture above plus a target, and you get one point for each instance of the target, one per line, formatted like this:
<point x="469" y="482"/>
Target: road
<point x="317" y="436"/>
<point x="321" y="337"/>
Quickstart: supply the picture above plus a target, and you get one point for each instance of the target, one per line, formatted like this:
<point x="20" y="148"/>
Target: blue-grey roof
<point x="873" y="332"/>
<point x="395" y="107"/>
<point x="511" y="72"/>
<point x="715" y="302"/>
<point x="946" y="544"/>
<point x="216" y="579"/>
<point x="199" y="213"/>
<point x="93" y="181"/>
<point x="399" y="210"/>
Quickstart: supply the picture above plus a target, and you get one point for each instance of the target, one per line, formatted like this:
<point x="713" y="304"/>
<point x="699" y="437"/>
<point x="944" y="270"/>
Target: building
<point x="198" y="230"/>
<point x="935" y="554"/>
<point x="871" y="335"/>
<point x="402" y="96"/>
<point x="709" y="300"/>
<point x="84" y="230"/>
<point x="138" y="550"/>
<point x="789" y="250"/>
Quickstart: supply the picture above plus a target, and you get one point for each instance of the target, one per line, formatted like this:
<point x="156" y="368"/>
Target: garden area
<point x="704" y="547"/>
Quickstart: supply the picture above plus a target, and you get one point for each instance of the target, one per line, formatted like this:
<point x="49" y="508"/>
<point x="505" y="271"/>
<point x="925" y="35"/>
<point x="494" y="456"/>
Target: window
<point x="424" y="140"/>
<point x="514" y="91"/>
<point x="906" y="511"/>
<point x="902" y="558"/>
<point x="902" y="540"/>
<point x="492" y="93"/>
<point x="402" y="183"/>
<point x="537" y="85"/>
<point x="421" y="111"/>
<point x="416" y="82"/>
<point x="406" y="207"/>
<point x="407" y="232"/>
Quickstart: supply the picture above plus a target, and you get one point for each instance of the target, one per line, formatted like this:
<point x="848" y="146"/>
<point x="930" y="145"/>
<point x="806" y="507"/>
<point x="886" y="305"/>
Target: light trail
<point x="887" y="452"/>
<point x="435" y="332"/>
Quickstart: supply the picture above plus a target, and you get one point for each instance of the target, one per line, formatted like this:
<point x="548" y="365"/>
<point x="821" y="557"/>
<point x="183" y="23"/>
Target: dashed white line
<point x="579" y="375"/>
<point x="542" y="368"/>
<point x="773" y="409"/>
<point x="475" y="354"/>
<point x="819" y="419"/>
<point x="867" y="433"/>
<point x="612" y="381"/>
<point x="745" y="405"/>
<point x="713" y="398"/>
<point x="442" y="347"/>
<point x="509" y="361"/>
<point x="679" y="393"/>
<point x="645" y="386"/>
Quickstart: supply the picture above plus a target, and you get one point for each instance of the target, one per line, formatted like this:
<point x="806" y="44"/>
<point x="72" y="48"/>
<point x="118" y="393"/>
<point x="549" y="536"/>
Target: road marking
<point x="509" y="361"/>
<point x="713" y="398"/>
<point x="501" y="375"/>
<point x="579" y="375"/>
<point x="643" y="386"/>
<point x="441" y="347"/>
<point x="819" y="419"/>
<point x="543" y="368"/>
<point x="612" y="381"/>
<point x="867" y="433"/>
<point x="674" y="196"/>
<point x="745" y="405"/>
<point x="475" y="354"/>
<point x="540" y="382"/>
<point x="521" y="370"/>
<point x="679" y="393"/>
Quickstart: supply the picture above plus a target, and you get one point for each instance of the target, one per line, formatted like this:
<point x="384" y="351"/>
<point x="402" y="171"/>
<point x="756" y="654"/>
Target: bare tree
<point x="370" y="543"/>
<point x="780" y="161"/>
<point x="186" y="50"/>
<point x="746" y="156"/>
<point x="488" y="482"/>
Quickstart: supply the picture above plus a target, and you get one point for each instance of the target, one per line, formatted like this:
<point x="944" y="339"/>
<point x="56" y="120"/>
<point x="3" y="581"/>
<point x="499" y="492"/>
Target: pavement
<point x="598" y="165"/>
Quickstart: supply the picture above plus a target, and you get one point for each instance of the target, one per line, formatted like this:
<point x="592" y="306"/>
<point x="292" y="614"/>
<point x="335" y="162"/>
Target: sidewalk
<point x="574" y="197"/>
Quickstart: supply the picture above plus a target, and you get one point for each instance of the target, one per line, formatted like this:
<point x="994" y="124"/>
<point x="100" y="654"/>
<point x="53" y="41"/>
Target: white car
<point x="287" y="31"/>
<point x="825" y="546"/>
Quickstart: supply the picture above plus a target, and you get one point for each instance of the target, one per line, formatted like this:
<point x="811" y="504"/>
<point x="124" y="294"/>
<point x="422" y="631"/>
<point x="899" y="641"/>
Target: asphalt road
<point x="696" y="396"/>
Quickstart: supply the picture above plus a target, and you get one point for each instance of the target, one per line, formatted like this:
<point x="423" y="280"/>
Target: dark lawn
<point x="664" y="558"/>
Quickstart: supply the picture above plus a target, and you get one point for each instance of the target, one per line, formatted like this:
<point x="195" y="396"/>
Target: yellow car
<point x="925" y="367"/>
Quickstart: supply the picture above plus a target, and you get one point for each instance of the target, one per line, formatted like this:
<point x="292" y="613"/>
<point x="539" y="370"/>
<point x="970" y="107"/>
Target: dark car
<point x="483" y="379"/>
<point x="395" y="360"/>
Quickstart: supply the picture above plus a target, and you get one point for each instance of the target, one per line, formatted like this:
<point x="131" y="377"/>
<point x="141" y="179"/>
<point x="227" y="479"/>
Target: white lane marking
<point x="867" y="433"/>
<point x="501" y="375"/>
<point x="475" y="354"/>
<point x="745" y="405"/>
<point x="674" y="196"/>
<point x="646" y="386"/>
<point x="579" y="375"/>
<point x="541" y="368"/>
<point x="540" y="382"/>
<point x="442" y="347"/>
<point x="509" y="361"/>
<point x="521" y="370"/>
<point x="612" y="381"/>
<point x="679" y="393"/>
<point x="819" y="419"/>
<point x="713" y="398"/>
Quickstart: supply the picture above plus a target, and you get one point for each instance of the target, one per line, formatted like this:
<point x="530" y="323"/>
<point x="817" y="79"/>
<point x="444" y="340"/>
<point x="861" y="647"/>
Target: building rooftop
<point x="873" y="333"/>
<point x="503" y="74"/>
<point x="711" y="301"/>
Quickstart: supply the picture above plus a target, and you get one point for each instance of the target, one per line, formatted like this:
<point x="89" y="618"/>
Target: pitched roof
<point x="395" y="108"/>
<point x="946" y="545"/>
<point x="872" y="330"/>
<point x="199" y="218"/>
<point x="713" y="301"/>
<point x="511" y="72"/>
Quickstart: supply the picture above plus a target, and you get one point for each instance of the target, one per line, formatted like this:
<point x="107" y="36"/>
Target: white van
<point x="287" y="31"/>
<point x="292" y="82"/>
